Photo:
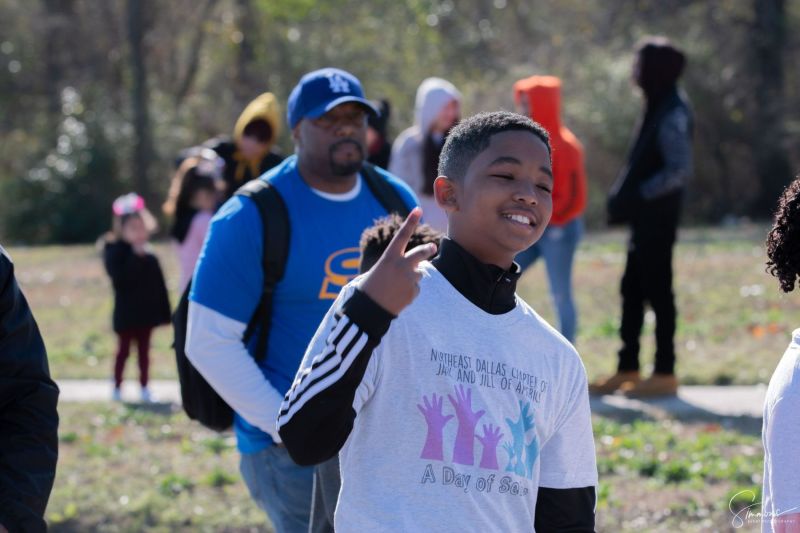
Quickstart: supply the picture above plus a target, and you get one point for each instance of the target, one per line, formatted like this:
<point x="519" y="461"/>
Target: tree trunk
<point x="244" y="87"/>
<point x="768" y="38"/>
<point x="58" y="14"/>
<point x="142" y="148"/>
<point x="196" y="46"/>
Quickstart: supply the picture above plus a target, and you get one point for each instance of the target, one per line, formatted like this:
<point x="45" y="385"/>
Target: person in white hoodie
<point x="415" y="153"/>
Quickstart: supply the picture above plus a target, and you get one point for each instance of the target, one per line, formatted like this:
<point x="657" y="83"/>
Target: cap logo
<point x="338" y="84"/>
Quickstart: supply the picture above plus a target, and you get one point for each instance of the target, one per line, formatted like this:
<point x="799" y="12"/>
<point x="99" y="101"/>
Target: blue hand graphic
<point x="518" y="430"/>
<point x="509" y="448"/>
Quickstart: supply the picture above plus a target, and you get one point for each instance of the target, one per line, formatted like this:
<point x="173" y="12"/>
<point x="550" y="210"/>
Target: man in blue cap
<point x="330" y="200"/>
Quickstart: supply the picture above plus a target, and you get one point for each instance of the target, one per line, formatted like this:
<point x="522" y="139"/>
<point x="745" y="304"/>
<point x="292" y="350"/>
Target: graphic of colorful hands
<point x="436" y="420"/>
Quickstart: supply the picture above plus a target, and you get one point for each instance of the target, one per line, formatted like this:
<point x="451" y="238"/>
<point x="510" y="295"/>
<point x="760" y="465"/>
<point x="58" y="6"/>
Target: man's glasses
<point x="331" y="119"/>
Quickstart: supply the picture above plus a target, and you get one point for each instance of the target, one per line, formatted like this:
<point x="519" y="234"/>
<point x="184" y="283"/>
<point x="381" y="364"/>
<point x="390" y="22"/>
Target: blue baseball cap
<point x="320" y="91"/>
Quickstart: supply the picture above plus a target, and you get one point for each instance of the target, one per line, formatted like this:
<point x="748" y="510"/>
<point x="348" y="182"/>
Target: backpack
<point x="200" y="401"/>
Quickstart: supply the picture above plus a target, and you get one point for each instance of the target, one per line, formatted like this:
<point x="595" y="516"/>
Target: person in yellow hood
<point x="539" y="97"/>
<point x="249" y="154"/>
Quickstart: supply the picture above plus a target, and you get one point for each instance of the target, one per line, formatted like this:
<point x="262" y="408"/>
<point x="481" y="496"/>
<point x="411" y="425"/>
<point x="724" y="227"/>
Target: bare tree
<point x="195" y="47"/>
<point x="768" y="37"/>
<point x="58" y="14"/>
<point x="143" y="147"/>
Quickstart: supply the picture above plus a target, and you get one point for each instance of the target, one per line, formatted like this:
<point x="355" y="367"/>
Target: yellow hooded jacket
<point x="264" y="107"/>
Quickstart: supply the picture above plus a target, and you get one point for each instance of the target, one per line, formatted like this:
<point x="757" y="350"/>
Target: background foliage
<point x="97" y="97"/>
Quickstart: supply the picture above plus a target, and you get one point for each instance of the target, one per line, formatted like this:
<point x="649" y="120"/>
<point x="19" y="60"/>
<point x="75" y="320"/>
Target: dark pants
<point x="142" y="338"/>
<point x="648" y="279"/>
<point x="327" y="482"/>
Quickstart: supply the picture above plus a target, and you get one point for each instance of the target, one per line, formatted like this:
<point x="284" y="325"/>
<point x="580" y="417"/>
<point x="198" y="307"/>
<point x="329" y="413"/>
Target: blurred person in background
<point x="194" y="196"/>
<point x="250" y="152"/>
<point x="141" y="301"/>
<point x="415" y="153"/>
<point x="28" y="415"/>
<point x="647" y="198"/>
<point x="379" y="148"/>
<point x="539" y="97"/>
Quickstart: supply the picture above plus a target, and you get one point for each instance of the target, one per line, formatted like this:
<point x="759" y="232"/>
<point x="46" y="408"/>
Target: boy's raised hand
<point x="393" y="282"/>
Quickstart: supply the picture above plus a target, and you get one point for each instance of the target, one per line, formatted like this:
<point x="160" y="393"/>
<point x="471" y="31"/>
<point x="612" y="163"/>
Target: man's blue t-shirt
<point x="323" y="257"/>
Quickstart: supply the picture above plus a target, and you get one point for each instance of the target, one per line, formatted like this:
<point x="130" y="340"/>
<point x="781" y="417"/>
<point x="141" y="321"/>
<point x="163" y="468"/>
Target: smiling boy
<point x="452" y="404"/>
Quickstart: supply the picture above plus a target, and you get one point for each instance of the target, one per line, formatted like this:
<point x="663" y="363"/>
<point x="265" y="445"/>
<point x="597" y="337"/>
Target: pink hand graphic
<point x="490" y="439"/>
<point x="467" y="420"/>
<point x="436" y="422"/>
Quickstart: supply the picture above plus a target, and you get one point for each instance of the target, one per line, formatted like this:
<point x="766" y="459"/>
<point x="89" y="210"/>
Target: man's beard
<point x="349" y="168"/>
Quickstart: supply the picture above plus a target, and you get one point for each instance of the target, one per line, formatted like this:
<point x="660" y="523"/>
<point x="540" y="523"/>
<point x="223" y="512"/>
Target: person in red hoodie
<point x="539" y="97"/>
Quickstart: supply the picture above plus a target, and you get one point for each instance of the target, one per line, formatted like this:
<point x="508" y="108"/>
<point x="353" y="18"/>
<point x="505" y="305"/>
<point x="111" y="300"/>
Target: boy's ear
<point x="444" y="190"/>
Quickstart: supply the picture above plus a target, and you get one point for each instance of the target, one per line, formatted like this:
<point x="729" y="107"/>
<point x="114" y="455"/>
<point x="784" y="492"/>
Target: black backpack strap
<point x="275" y="221"/>
<point x="384" y="191"/>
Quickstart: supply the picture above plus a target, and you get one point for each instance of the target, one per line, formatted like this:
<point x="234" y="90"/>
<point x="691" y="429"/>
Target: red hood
<point x="542" y="94"/>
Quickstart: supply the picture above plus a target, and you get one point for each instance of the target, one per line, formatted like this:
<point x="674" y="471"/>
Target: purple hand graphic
<point x="490" y="439"/>
<point x="467" y="420"/>
<point x="436" y="422"/>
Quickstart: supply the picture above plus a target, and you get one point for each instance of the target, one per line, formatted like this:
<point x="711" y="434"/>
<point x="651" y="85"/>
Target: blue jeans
<point x="280" y="487"/>
<point x="558" y="245"/>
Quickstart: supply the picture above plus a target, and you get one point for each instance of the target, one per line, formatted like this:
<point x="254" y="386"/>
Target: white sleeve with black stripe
<point x="317" y="413"/>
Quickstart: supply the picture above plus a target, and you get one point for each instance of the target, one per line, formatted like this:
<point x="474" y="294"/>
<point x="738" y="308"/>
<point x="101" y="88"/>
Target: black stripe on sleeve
<point x="317" y="414"/>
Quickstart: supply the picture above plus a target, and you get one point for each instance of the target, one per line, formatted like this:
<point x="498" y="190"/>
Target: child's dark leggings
<point x="142" y="338"/>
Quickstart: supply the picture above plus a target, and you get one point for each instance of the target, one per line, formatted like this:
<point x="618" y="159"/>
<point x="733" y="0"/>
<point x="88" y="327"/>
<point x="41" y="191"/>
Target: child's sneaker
<point x="116" y="395"/>
<point x="146" y="396"/>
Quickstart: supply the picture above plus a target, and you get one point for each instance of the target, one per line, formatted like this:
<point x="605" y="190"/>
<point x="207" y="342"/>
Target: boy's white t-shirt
<point x="781" y="438"/>
<point x="461" y="417"/>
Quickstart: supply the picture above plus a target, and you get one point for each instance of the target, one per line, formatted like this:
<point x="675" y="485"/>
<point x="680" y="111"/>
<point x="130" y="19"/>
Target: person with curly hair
<point x="781" y="491"/>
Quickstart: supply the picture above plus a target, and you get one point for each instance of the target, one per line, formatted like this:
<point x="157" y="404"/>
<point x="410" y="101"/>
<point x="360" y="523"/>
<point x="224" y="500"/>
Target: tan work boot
<point x="611" y="384"/>
<point x="655" y="385"/>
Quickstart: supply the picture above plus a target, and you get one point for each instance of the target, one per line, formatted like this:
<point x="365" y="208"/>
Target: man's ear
<point x="296" y="133"/>
<point x="445" y="191"/>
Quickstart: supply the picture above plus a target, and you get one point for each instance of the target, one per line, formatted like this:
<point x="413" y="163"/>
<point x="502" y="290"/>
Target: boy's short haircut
<point x="472" y="136"/>
<point x="376" y="238"/>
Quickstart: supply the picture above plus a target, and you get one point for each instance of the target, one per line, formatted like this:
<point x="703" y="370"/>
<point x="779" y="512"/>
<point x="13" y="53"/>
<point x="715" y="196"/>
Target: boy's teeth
<point x="519" y="218"/>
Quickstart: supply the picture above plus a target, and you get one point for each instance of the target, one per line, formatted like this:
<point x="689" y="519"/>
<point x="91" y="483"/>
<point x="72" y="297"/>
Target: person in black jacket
<point x="141" y="301"/>
<point x="647" y="197"/>
<point x="379" y="147"/>
<point x="28" y="416"/>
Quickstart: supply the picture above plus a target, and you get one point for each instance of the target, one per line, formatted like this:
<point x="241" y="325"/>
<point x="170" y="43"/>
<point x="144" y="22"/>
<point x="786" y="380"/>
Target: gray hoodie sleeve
<point x="675" y="142"/>
<point x="406" y="162"/>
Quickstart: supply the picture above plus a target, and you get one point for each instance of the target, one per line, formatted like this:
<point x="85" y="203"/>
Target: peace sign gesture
<point x="393" y="282"/>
